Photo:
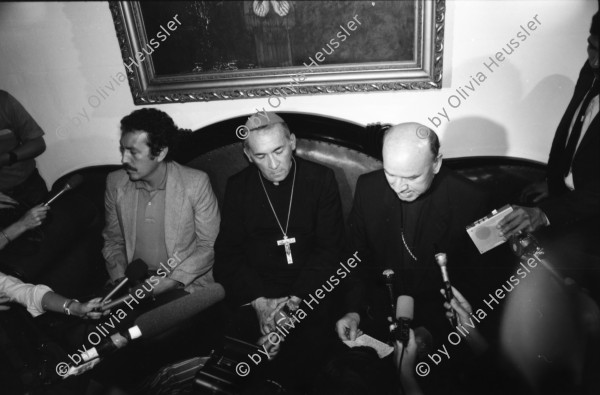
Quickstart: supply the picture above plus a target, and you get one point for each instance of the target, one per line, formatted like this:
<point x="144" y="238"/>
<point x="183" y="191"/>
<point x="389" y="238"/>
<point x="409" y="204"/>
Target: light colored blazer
<point x="191" y="225"/>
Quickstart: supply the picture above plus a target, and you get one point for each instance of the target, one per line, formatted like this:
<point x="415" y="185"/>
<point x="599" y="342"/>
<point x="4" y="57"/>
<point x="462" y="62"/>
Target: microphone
<point x="159" y="320"/>
<point x="388" y="279"/>
<point x="173" y="313"/>
<point x="113" y="343"/>
<point x="139" y="291"/>
<point x="442" y="260"/>
<point x="405" y="307"/>
<point x="73" y="182"/>
<point x="135" y="271"/>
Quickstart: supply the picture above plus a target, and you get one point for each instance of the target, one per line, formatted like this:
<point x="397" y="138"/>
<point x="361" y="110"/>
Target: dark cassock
<point x="276" y="241"/>
<point x="405" y="237"/>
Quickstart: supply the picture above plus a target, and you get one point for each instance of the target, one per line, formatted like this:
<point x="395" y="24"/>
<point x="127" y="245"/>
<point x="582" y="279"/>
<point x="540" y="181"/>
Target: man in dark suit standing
<point x="568" y="200"/>
<point x="401" y="217"/>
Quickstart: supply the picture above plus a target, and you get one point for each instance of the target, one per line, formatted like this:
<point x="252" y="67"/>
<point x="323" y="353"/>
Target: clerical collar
<point x="287" y="180"/>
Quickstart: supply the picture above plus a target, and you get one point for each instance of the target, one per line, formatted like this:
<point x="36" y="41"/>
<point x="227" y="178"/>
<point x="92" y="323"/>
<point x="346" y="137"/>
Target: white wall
<point x="53" y="57"/>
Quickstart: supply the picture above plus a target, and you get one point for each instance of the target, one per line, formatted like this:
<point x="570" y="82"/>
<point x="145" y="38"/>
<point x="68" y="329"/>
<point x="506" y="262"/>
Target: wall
<point x="53" y="57"/>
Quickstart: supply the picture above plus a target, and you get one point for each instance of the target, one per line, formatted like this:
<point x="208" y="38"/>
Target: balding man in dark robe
<point x="402" y="216"/>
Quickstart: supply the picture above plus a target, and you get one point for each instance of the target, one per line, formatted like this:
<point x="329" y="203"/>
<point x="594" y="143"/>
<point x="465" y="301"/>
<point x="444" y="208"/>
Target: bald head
<point x="411" y="159"/>
<point x="412" y="135"/>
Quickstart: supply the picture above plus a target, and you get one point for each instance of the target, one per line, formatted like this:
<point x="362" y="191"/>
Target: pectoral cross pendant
<point x="286" y="241"/>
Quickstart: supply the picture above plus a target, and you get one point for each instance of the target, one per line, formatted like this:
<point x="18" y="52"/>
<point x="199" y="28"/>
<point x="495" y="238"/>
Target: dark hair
<point x="159" y="126"/>
<point x="434" y="143"/>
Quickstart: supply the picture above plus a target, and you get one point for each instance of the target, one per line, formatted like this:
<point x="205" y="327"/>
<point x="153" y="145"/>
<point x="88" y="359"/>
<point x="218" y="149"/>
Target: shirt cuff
<point x="183" y="277"/>
<point x="117" y="271"/>
<point x="35" y="308"/>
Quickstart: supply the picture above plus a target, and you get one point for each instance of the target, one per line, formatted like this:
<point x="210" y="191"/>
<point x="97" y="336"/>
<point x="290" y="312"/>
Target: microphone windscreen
<point x="136" y="270"/>
<point x="74" y="181"/>
<point x="388" y="274"/>
<point x="405" y="307"/>
<point x="441" y="259"/>
<point x="173" y="313"/>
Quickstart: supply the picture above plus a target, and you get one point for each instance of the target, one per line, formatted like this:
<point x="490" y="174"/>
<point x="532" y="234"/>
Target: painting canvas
<point x="237" y="49"/>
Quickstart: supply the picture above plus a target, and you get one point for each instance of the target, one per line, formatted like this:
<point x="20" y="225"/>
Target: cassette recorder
<point x="484" y="233"/>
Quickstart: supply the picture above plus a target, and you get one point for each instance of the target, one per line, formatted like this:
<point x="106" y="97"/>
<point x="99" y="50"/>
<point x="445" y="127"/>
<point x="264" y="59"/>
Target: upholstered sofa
<point x="349" y="149"/>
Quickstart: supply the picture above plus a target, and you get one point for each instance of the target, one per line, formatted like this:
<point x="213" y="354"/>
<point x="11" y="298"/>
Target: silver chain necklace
<point x="406" y="246"/>
<point x="286" y="241"/>
<point x="402" y="233"/>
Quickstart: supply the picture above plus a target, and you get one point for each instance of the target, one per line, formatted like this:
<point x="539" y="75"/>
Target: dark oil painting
<point x="226" y="36"/>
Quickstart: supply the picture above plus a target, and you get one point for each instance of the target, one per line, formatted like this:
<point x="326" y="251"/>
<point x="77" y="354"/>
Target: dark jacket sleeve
<point x="241" y="282"/>
<point x="355" y="287"/>
<point x="565" y="206"/>
<point x="571" y="206"/>
<point x="329" y="236"/>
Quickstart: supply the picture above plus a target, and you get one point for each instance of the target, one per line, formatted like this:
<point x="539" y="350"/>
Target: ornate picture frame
<point x="171" y="55"/>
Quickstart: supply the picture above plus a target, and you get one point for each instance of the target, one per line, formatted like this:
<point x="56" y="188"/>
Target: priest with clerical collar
<point x="280" y="238"/>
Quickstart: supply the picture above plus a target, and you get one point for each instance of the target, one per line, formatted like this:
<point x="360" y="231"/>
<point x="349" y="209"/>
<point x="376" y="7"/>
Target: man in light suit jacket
<point x="157" y="210"/>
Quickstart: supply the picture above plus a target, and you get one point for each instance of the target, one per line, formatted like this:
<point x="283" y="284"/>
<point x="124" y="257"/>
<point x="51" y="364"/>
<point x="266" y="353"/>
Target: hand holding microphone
<point x="34" y="217"/>
<point x="405" y="360"/>
<point x="135" y="272"/>
<point x="405" y="357"/>
<point x="73" y="182"/>
<point x="405" y="307"/>
<point x="459" y="306"/>
<point x="405" y="345"/>
<point x="442" y="260"/>
<point x="388" y="279"/>
<point x="151" y="324"/>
